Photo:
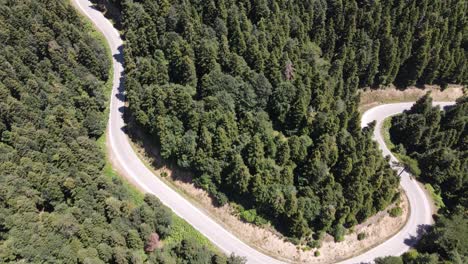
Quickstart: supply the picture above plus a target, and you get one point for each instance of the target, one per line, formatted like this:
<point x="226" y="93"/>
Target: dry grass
<point x="377" y="228"/>
<point x="373" y="97"/>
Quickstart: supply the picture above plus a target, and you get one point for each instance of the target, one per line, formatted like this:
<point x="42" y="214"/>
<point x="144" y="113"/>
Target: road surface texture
<point x="136" y="171"/>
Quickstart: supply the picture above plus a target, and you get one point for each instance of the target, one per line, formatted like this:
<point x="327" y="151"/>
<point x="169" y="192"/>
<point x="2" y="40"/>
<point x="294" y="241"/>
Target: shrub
<point x="339" y="233"/>
<point x="397" y="197"/>
<point x="319" y="235"/>
<point x="411" y="165"/>
<point x="389" y="260"/>
<point x="220" y="199"/>
<point x="314" y="243"/>
<point x="164" y="174"/>
<point x="260" y="221"/>
<point x="410" y="255"/>
<point x="238" y="208"/>
<point x="249" y="216"/>
<point x="361" y="236"/>
<point x="317" y="253"/>
<point x="395" y="211"/>
<point x="435" y="196"/>
<point x="293" y="240"/>
<point x="400" y="149"/>
<point x="134" y="240"/>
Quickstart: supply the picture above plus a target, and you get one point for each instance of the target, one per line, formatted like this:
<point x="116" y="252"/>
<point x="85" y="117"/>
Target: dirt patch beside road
<point x="373" y="97"/>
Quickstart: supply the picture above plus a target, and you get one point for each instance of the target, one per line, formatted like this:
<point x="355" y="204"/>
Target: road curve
<point x="136" y="171"/>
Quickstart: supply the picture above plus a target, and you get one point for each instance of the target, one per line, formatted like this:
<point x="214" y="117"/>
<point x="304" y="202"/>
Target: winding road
<point x="135" y="170"/>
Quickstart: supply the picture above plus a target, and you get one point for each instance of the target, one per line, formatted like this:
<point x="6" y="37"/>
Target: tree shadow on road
<point x="413" y="240"/>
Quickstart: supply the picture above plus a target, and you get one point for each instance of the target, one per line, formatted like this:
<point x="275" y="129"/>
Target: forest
<point x="56" y="204"/>
<point x="438" y="142"/>
<point x="258" y="98"/>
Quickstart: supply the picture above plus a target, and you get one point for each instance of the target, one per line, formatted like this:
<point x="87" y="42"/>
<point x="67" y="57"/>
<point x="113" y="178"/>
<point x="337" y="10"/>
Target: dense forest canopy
<point x="438" y="141"/>
<point x="258" y="98"/>
<point x="56" y="205"/>
<point x="368" y="42"/>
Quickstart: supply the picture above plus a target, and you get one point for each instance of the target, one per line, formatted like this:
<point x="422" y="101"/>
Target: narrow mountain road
<point x="136" y="171"/>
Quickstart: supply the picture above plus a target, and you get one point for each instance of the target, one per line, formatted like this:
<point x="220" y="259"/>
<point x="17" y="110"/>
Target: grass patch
<point x="135" y="195"/>
<point x="386" y="125"/>
<point x="395" y="212"/>
<point x="181" y="230"/>
<point x="439" y="203"/>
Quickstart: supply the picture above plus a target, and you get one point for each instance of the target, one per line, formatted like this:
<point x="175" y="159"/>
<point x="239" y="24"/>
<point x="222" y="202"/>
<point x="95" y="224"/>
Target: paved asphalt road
<point x="136" y="171"/>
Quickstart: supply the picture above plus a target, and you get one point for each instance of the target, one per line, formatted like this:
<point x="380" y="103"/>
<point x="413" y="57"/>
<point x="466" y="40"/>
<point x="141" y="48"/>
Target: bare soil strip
<point x="373" y="97"/>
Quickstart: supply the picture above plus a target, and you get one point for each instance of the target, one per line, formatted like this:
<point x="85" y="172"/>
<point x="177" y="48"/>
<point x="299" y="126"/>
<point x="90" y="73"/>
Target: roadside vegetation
<point x="60" y="202"/>
<point x="437" y="141"/>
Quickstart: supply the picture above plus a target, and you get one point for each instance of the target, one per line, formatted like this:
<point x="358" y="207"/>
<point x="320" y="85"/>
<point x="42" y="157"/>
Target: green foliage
<point x="436" y="197"/>
<point x="314" y="244"/>
<point x="189" y="251"/>
<point x="181" y="230"/>
<point x="445" y="242"/>
<point x="438" y="141"/>
<point x="414" y="257"/>
<point x="133" y="239"/>
<point x="249" y="215"/>
<point x="259" y="100"/>
<point x="386" y="125"/>
<point x="448" y="237"/>
<point x="60" y="201"/>
<point x="395" y="211"/>
<point x="317" y="253"/>
<point x="233" y="259"/>
<point x="339" y="233"/>
<point x="411" y="165"/>
<point x="389" y="260"/>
